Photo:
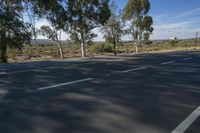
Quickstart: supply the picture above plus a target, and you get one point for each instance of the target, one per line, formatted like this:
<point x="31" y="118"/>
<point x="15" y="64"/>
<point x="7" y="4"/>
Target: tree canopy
<point x="78" y="18"/>
<point x="13" y="31"/>
<point x="85" y="15"/>
<point x="136" y="11"/>
<point x="113" y="28"/>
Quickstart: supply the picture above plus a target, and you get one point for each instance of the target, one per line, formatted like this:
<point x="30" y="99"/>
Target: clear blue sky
<point x="180" y="18"/>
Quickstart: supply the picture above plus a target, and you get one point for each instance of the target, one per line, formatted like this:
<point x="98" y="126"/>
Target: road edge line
<point x="181" y="128"/>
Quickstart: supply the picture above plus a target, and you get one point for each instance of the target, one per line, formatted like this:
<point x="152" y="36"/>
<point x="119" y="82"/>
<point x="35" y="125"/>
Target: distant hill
<point x="50" y="42"/>
<point x="46" y="42"/>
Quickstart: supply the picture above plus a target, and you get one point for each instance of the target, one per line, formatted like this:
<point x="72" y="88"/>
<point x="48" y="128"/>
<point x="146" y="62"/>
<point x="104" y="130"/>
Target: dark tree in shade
<point x="13" y="31"/>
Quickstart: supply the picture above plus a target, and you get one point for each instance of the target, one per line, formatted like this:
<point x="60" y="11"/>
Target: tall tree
<point x="13" y="31"/>
<point x="75" y="39"/>
<point x="54" y="11"/>
<point x="53" y="34"/>
<point x="136" y="11"/>
<point x="85" y="15"/>
<point x="113" y="27"/>
<point x="32" y="17"/>
<point x="82" y="15"/>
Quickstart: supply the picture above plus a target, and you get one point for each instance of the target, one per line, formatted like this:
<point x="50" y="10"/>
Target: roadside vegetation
<point x="50" y="51"/>
<point x="78" y="19"/>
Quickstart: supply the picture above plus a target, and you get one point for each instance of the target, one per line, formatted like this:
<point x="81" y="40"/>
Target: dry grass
<point x="49" y="52"/>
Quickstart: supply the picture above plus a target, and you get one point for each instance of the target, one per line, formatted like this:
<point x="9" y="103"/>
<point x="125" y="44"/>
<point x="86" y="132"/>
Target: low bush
<point x="101" y="48"/>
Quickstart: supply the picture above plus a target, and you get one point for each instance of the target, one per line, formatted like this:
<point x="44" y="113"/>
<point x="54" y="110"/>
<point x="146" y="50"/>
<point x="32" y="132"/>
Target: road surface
<point x="147" y="93"/>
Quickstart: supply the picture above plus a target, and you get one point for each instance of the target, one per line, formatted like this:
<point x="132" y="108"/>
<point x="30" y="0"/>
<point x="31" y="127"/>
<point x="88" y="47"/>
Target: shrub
<point x="100" y="48"/>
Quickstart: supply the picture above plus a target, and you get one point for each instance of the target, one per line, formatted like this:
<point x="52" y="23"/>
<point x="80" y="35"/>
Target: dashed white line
<point x="3" y="73"/>
<point x="39" y="68"/>
<point x="63" y="84"/>
<point x="169" y="62"/>
<point x="21" y="71"/>
<point x="181" y="128"/>
<point x="187" y="59"/>
<point x="135" y="69"/>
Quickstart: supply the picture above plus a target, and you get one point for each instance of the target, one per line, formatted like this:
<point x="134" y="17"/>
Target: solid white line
<point x="187" y="59"/>
<point x="135" y="69"/>
<point x="169" y="62"/>
<point x="181" y="128"/>
<point x="63" y="84"/>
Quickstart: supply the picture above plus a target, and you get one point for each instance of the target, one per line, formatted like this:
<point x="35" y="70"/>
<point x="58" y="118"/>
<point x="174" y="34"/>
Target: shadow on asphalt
<point x="154" y="100"/>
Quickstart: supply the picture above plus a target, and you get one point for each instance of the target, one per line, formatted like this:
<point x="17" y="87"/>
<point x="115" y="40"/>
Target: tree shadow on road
<point x="155" y="100"/>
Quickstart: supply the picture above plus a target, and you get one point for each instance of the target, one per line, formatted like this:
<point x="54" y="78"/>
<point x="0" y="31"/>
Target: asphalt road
<point x="149" y="93"/>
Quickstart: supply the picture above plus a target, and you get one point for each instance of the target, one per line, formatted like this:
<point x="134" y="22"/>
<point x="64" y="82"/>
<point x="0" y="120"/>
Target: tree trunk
<point x="114" y="46"/>
<point x="136" y="47"/>
<point x="3" y="58"/>
<point x="136" y="50"/>
<point x="60" y="48"/>
<point x="36" y="44"/>
<point x="3" y="49"/>
<point x="83" y="45"/>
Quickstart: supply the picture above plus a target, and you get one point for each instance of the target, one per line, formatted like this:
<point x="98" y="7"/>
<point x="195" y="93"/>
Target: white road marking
<point x="181" y="128"/>
<point x="63" y="84"/>
<point x="135" y="69"/>
<point x="169" y="62"/>
<point x="22" y="71"/>
<point x="3" y="73"/>
<point x="44" y="68"/>
<point x="187" y="59"/>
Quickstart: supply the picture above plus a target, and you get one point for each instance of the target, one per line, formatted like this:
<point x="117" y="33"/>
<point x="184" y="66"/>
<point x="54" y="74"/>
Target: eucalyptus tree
<point x="55" y="12"/>
<point x="113" y="28"/>
<point x="53" y="34"/>
<point x="79" y="17"/>
<point x="75" y="39"/>
<point x="32" y="18"/>
<point x="13" y="31"/>
<point x="85" y="15"/>
<point x="136" y="12"/>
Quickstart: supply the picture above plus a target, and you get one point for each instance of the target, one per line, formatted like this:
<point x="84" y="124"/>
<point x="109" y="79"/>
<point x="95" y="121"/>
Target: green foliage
<point x="113" y="29"/>
<point x="101" y="48"/>
<point x="47" y="52"/>
<point x="53" y="35"/>
<point x="173" y="42"/>
<point x="48" y="32"/>
<point x="141" y="27"/>
<point x="13" y="31"/>
<point x="136" y="8"/>
<point x="85" y="16"/>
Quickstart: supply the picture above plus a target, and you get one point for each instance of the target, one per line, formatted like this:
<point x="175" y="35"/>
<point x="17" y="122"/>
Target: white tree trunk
<point x="136" y="50"/>
<point x="36" y="44"/>
<point x="136" y="47"/>
<point x="60" y="50"/>
<point x="83" y="51"/>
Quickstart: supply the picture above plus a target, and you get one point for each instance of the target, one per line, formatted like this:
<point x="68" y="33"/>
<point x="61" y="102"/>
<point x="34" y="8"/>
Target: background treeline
<point x="50" y="51"/>
<point x="77" y="19"/>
